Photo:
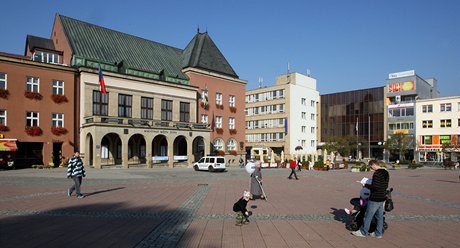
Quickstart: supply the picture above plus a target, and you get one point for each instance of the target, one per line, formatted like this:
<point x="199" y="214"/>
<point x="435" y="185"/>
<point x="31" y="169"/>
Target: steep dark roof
<point x="113" y="47"/>
<point x="202" y="53"/>
<point x="39" y="42"/>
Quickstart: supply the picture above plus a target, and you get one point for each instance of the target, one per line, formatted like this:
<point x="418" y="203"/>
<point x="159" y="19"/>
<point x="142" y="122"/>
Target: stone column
<point x="124" y="153"/>
<point x="170" y="153"/>
<point x="148" y="152"/>
<point x="190" y="154"/>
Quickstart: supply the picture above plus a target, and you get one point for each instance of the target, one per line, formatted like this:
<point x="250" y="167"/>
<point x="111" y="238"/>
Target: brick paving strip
<point x="168" y="233"/>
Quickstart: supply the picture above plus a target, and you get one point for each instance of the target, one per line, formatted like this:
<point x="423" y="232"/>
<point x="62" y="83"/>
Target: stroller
<point x="357" y="218"/>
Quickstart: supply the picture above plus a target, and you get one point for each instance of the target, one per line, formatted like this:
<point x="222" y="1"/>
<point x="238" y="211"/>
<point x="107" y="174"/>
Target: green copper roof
<point x="121" y="50"/>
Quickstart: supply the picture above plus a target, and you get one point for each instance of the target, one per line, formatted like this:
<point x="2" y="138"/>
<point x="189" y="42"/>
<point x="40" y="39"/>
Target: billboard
<point x="401" y="86"/>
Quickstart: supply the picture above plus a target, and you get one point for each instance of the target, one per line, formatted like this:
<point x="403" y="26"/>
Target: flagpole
<point x="357" y="140"/>
<point x="369" y="137"/>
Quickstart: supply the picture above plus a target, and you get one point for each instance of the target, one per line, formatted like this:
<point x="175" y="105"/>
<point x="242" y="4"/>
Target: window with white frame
<point x="2" y="117"/>
<point x="304" y="115"/>
<point x="312" y="130"/>
<point x="312" y="103"/>
<point x="231" y="123"/>
<point x="446" y="107"/>
<point x="231" y="101"/>
<point x="33" y="84"/>
<point x="231" y="145"/>
<point x="427" y="140"/>
<point x="219" y="144"/>
<point x="303" y="129"/>
<point x="312" y="143"/>
<point x="204" y="119"/>
<point x="427" y="124"/>
<point x="312" y="117"/>
<point x="303" y="101"/>
<point x="32" y="119"/>
<point x="57" y="120"/>
<point x="219" y="98"/>
<point x="3" y="81"/>
<point x="218" y="121"/>
<point x="45" y="57"/>
<point x="427" y="108"/>
<point x="446" y="123"/>
<point x="58" y="87"/>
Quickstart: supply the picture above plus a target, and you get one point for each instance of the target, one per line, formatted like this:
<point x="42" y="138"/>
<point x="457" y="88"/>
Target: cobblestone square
<point x="180" y="207"/>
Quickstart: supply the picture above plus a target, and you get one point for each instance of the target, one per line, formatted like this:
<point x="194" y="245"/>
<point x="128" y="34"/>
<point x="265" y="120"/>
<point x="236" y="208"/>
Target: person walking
<point x="375" y="205"/>
<point x="299" y="165"/>
<point x="292" y="165"/>
<point x="256" y="177"/>
<point x="241" y="162"/>
<point x="76" y="171"/>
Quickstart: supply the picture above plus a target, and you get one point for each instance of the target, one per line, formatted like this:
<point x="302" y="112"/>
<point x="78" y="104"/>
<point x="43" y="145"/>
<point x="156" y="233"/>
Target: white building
<point x="283" y="117"/>
<point x="438" y="129"/>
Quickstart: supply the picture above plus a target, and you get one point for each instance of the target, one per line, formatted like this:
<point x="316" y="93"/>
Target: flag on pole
<point x="101" y="81"/>
<point x="204" y="98"/>
<point x="356" y="125"/>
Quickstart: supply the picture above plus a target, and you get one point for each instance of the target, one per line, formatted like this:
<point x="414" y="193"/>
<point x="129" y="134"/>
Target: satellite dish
<point x="250" y="167"/>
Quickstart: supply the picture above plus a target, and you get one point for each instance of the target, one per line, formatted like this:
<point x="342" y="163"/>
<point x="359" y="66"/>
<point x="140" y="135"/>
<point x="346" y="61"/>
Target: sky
<point x="344" y="44"/>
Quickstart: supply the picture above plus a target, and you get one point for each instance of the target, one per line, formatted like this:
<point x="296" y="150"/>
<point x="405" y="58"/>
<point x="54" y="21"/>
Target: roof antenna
<point x="198" y="29"/>
<point x="308" y="73"/>
<point x="261" y="82"/>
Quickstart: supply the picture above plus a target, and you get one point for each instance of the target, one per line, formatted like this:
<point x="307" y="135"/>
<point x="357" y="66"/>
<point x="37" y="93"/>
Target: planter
<point x="232" y="131"/>
<point x="4" y="128"/>
<point x="33" y="131"/>
<point x="219" y="130"/>
<point x="355" y="170"/>
<point x="59" y="98"/>
<point x="233" y="152"/>
<point x="233" y="109"/>
<point x="33" y="95"/>
<point x="58" y="130"/>
<point x="4" y="93"/>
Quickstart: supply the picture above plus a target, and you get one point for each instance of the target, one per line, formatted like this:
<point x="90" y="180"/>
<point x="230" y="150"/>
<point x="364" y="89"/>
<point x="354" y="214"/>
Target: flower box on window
<point x="58" y="130"/>
<point x="4" y="93"/>
<point x="219" y="106"/>
<point x="33" y="95"/>
<point x="232" y="131"/>
<point x="220" y="152"/>
<point x="34" y="131"/>
<point x="233" y="152"/>
<point x="59" y="98"/>
<point x="4" y="128"/>
<point x="233" y="109"/>
<point x="219" y="130"/>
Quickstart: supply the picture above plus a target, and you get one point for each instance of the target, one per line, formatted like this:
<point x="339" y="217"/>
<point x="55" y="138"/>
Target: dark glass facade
<point x="352" y="113"/>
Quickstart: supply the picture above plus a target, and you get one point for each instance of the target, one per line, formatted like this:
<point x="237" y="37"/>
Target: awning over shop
<point x="8" y="145"/>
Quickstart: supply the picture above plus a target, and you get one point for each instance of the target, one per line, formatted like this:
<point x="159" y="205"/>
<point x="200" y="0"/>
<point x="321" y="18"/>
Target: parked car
<point x="210" y="163"/>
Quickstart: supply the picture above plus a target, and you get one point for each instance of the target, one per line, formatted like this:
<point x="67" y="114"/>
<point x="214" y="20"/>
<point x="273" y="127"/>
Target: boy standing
<point x="76" y="171"/>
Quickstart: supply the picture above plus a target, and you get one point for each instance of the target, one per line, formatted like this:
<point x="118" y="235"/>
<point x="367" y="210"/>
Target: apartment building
<point x="283" y="117"/>
<point x="438" y="129"/>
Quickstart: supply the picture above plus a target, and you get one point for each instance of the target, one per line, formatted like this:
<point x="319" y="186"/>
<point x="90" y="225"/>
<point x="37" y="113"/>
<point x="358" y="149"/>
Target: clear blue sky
<point x="346" y="45"/>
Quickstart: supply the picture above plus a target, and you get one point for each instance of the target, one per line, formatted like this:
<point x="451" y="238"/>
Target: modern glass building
<point x="359" y="114"/>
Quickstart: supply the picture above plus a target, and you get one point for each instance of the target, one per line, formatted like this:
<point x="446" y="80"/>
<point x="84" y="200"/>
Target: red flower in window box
<point x="232" y="131"/>
<point x="233" y="152"/>
<point x="33" y="95"/>
<point x="219" y="106"/>
<point x="220" y="152"/>
<point x="34" y="131"/>
<point x="4" y="93"/>
<point x="4" y="128"/>
<point x="59" y="98"/>
<point x="219" y="130"/>
<point x="58" y="130"/>
<point x="233" y="109"/>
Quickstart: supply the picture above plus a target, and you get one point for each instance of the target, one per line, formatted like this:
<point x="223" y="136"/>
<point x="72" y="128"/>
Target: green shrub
<point x="414" y="166"/>
<point x="318" y="164"/>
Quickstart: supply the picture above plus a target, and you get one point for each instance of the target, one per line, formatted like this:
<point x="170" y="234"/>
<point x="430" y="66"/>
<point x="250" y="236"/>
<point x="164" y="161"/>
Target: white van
<point x="210" y="163"/>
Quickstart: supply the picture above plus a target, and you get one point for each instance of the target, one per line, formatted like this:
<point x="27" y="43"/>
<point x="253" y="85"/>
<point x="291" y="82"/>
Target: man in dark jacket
<point x="375" y="206"/>
<point x="76" y="171"/>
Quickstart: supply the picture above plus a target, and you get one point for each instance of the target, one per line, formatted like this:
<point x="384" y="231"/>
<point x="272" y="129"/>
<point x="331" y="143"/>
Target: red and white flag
<point x="101" y="81"/>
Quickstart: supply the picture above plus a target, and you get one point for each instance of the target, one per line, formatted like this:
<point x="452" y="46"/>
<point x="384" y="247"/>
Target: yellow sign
<point x="401" y="131"/>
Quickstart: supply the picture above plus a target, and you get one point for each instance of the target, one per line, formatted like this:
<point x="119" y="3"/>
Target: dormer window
<point x="46" y="57"/>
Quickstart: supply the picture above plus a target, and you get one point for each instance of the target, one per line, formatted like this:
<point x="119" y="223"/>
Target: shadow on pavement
<point x="89" y="225"/>
<point x="102" y="191"/>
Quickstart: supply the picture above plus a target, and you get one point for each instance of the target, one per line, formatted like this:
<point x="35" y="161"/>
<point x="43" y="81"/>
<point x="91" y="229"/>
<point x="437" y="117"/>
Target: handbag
<point x="389" y="205"/>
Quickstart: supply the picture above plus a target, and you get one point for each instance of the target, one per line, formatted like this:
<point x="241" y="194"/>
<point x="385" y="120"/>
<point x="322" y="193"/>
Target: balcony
<point x="141" y="123"/>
